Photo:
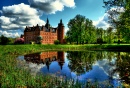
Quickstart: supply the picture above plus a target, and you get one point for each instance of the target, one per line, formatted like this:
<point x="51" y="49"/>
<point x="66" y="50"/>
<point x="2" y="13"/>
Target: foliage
<point x="19" y="41"/>
<point x="81" y="30"/>
<point x="99" y="40"/>
<point x="4" y="40"/>
<point x="109" y="35"/>
<point x="56" y="42"/>
<point x="125" y="21"/>
<point x="119" y="17"/>
<point x="39" y="39"/>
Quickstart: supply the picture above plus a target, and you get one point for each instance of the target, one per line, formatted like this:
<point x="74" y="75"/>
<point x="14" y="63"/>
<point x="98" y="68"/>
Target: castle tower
<point x="61" y="61"/>
<point x="47" y="25"/>
<point x="60" y="32"/>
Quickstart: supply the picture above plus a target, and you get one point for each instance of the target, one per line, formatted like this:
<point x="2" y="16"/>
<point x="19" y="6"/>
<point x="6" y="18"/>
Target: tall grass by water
<point x="13" y="77"/>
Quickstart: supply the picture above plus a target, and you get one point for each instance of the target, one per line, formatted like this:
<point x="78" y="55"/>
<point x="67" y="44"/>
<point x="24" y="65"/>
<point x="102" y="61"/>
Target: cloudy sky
<point x="15" y="15"/>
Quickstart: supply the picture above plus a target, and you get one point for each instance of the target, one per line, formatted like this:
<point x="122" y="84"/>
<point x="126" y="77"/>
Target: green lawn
<point x="22" y="49"/>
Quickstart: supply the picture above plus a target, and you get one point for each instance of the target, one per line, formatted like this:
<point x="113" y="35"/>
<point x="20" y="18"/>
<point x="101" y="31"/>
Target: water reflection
<point x="46" y="58"/>
<point x="113" y="67"/>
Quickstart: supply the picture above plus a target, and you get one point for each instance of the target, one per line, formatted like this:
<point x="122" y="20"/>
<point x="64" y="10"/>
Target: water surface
<point x="101" y="66"/>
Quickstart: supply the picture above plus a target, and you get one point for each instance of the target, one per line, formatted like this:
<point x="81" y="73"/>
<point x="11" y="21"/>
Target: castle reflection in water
<point x="46" y="58"/>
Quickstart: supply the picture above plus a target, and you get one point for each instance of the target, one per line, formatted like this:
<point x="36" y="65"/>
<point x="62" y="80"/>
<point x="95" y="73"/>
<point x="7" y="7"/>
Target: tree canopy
<point x="119" y="17"/>
<point x="81" y="30"/>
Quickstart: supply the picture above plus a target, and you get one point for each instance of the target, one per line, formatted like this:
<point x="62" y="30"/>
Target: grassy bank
<point x="22" y="49"/>
<point x="14" y="77"/>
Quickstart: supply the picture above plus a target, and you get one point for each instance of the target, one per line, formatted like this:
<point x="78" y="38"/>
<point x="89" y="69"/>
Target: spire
<point x="61" y="64"/>
<point x="61" y="21"/>
<point x="47" y="64"/>
<point x="47" y="20"/>
<point x="47" y="25"/>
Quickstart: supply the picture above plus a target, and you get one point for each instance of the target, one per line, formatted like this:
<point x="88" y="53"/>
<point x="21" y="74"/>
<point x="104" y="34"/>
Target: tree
<point x="4" y="40"/>
<point x="39" y="38"/>
<point x="76" y="27"/>
<point x="99" y="33"/>
<point x="109" y="35"/>
<point x="125" y="20"/>
<point x="90" y="32"/>
<point x="119" y="17"/>
<point x="81" y="30"/>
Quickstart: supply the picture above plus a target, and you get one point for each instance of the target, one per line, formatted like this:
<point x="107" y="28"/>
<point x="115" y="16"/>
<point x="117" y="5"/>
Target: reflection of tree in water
<point x="81" y="61"/>
<point x="123" y="66"/>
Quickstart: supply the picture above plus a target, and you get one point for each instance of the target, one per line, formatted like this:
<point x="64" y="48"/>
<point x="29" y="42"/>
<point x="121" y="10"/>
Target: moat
<point x="102" y="66"/>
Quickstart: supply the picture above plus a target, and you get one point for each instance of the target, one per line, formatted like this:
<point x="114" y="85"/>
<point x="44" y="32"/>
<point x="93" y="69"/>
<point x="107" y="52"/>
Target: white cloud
<point x="66" y="29"/>
<point x="117" y="9"/>
<point x="102" y="22"/>
<point x="10" y="34"/>
<point x="107" y="68"/>
<point x="69" y="3"/>
<point x="19" y="16"/>
<point x="51" y="6"/>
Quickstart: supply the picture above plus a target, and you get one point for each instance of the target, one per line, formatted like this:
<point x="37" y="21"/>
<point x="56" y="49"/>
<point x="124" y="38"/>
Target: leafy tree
<point x="39" y="39"/>
<point x="81" y="30"/>
<point x="109" y="35"/>
<point x="69" y="36"/>
<point x="119" y="17"/>
<point x="11" y="40"/>
<point x="99" y="33"/>
<point x="90" y="32"/>
<point x="125" y="21"/>
<point x="4" y="40"/>
<point x="76" y="27"/>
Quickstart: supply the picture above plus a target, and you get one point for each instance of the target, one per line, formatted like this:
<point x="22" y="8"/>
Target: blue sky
<point x="16" y="14"/>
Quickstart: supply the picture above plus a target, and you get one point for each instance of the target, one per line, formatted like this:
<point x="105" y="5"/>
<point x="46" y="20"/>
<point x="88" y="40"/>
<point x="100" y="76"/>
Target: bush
<point x="31" y="42"/>
<point x="19" y="41"/>
<point x="99" y="40"/>
<point x="56" y="42"/>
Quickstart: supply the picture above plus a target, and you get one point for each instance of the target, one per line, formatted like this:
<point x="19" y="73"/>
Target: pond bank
<point x="23" y="49"/>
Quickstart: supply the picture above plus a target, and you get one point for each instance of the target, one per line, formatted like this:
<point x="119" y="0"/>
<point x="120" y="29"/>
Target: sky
<point x="15" y="15"/>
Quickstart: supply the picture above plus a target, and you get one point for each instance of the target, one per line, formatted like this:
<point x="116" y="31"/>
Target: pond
<point x="101" y="66"/>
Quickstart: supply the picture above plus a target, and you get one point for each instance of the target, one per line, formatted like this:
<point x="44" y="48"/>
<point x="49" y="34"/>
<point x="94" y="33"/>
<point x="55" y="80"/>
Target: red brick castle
<point x="47" y="33"/>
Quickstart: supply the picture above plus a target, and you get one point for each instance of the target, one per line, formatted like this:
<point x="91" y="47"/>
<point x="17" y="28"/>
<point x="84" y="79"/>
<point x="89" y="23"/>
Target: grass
<point x="14" y="77"/>
<point x="22" y="49"/>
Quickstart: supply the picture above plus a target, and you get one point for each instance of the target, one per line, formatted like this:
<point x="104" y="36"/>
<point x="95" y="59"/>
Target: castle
<point x="44" y="34"/>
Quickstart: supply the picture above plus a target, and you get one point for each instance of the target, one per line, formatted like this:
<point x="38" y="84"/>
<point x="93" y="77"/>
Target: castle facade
<point x="44" y="34"/>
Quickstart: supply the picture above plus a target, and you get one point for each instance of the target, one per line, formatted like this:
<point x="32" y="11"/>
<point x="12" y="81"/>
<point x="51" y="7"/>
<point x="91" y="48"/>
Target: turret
<point x="60" y="32"/>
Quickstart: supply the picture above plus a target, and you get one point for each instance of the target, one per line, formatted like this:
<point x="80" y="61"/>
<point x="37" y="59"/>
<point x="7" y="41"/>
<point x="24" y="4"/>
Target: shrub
<point x="56" y="42"/>
<point x="99" y="40"/>
<point x="19" y="41"/>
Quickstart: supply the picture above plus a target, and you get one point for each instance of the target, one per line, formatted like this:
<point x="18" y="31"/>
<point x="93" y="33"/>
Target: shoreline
<point x="87" y="47"/>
